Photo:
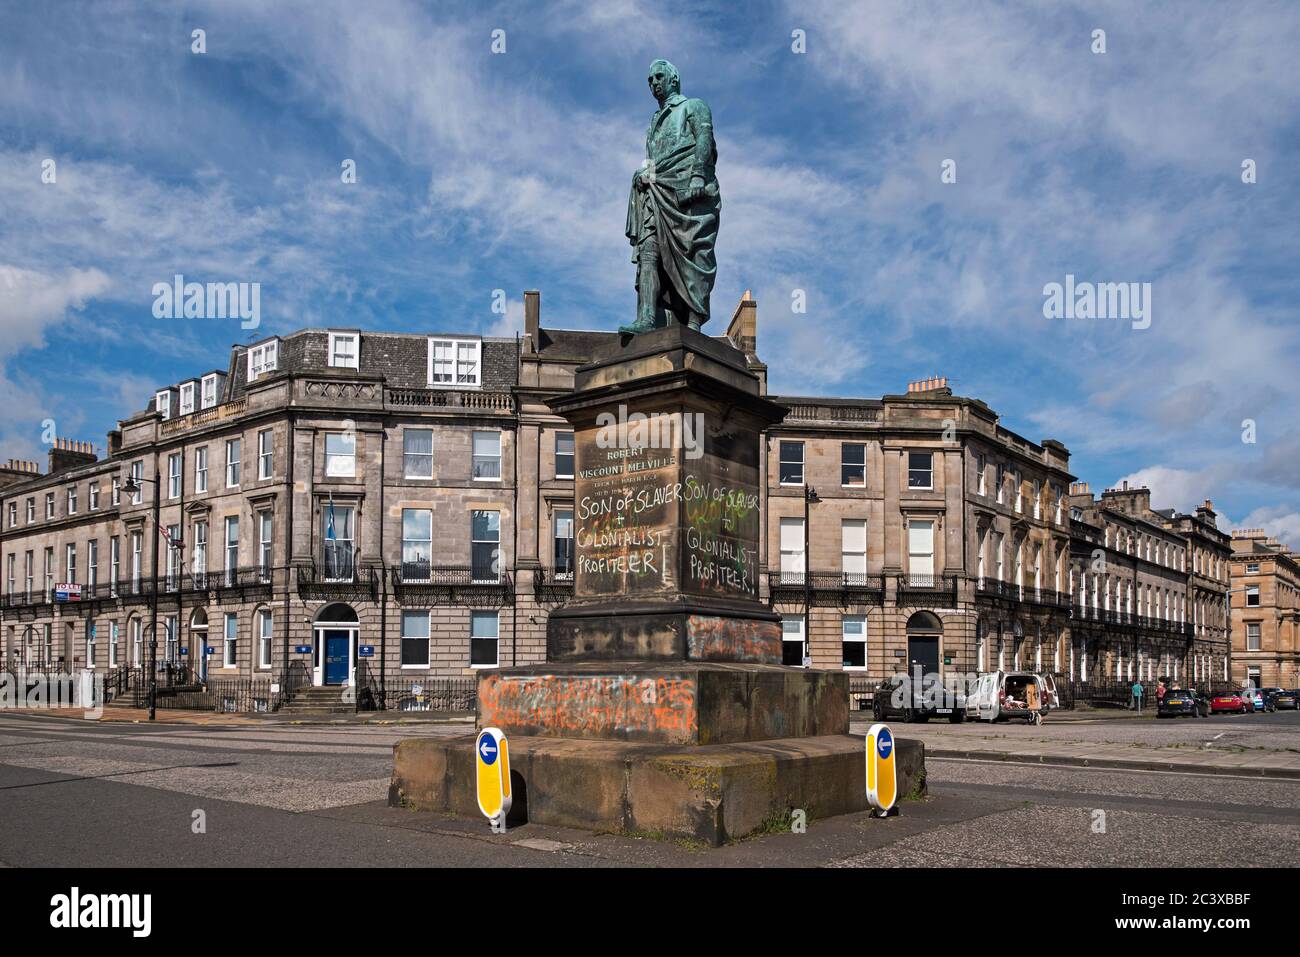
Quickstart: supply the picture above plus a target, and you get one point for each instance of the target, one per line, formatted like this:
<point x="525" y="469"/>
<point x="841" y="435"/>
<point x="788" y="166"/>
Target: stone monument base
<point x="709" y="793"/>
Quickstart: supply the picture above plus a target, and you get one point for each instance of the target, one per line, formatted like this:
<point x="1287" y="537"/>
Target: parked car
<point x="1263" y="699"/>
<point x="999" y="695"/>
<point x="903" y="697"/>
<point x="1183" y="701"/>
<point x="1287" y="700"/>
<point x="1232" y="701"/>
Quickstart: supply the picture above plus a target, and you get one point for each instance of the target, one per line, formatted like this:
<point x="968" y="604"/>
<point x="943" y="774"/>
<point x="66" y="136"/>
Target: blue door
<point x="336" y="657"/>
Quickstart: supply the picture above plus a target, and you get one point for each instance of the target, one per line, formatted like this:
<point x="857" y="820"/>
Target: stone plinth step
<point x="669" y="703"/>
<point x="711" y="793"/>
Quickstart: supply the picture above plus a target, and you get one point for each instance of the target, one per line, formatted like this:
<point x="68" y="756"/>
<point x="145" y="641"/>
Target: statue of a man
<point x="672" y="211"/>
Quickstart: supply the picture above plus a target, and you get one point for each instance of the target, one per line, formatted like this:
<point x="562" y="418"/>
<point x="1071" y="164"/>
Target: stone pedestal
<point x="663" y="705"/>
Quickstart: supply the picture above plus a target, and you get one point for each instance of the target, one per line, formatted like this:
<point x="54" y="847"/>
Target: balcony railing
<point x="451" y="399"/>
<point x="451" y="584"/>
<point x="927" y="589"/>
<point x="823" y="587"/>
<point x="332" y="581"/>
<point x="553" y="584"/>
<point x="193" y="420"/>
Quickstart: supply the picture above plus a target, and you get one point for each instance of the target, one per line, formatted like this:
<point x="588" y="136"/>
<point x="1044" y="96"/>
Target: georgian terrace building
<point x="1265" y="611"/>
<point x="1143" y="608"/>
<point x="381" y="509"/>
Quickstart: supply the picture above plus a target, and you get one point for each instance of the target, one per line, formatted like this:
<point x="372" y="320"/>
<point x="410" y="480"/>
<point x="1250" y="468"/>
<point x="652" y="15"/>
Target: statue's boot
<point x="641" y="325"/>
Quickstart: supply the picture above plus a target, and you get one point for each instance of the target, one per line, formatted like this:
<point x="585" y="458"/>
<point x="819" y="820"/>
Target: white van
<point x="999" y="695"/>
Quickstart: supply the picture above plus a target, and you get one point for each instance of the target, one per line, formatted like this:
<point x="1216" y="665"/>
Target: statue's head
<point x="663" y="80"/>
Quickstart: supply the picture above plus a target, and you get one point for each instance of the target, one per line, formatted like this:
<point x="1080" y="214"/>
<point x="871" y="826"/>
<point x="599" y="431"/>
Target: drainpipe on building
<point x="288" y="552"/>
<point x="383" y="579"/>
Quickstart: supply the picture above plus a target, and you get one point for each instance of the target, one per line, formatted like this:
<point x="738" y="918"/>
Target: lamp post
<point x="132" y="487"/>
<point x="809" y="496"/>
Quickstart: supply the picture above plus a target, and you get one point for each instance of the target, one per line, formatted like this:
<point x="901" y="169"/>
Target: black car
<point x="903" y="697"/>
<point x="1178" y="702"/>
<point x="1285" y="700"/>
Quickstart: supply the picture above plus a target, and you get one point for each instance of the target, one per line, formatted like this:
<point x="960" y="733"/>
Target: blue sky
<point x="479" y="171"/>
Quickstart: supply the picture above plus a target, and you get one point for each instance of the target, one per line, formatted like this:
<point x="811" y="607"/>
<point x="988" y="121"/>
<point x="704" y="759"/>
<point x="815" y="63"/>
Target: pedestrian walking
<point x="1137" y="695"/>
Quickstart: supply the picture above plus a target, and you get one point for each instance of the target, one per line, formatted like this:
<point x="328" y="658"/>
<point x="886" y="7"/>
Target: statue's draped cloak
<point x="679" y="146"/>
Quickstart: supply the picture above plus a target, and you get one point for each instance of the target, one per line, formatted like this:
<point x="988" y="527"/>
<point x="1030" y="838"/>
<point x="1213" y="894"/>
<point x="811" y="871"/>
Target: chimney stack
<point x="532" y="316"/>
<point x="69" y="453"/>
<point x="937" y="384"/>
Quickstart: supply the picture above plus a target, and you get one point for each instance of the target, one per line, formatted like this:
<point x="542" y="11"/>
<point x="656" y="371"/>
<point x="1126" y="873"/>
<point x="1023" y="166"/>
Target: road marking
<point x="1102" y="770"/>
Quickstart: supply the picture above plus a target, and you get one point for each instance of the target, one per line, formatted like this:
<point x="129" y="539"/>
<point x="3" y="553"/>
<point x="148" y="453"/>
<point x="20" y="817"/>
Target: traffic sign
<point x="492" y="758"/>
<point x="882" y="776"/>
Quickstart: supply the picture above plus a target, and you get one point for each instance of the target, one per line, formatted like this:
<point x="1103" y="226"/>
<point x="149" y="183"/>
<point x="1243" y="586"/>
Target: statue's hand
<point x="697" y="192"/>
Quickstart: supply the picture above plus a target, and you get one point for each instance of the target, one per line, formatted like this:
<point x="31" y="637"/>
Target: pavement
<point x="1260" y="745"/>
<point x="253" y="793"/>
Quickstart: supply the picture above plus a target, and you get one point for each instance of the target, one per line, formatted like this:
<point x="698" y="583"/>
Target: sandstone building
<point x="1265" y="611"/>
<point x="380" y="511"/>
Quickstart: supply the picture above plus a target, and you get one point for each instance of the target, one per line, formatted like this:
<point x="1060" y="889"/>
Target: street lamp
<point x="132" y="488"/>
<point x="809" y="497"/>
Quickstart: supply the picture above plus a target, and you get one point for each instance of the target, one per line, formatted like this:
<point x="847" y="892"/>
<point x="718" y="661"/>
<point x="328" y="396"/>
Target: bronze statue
<point x="672" y="210"/>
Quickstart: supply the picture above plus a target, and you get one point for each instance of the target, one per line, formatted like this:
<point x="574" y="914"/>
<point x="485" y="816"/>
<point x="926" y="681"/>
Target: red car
<point x="1233" y="701"/>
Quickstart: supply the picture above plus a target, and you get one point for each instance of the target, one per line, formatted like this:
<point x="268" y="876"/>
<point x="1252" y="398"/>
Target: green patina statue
<point x="672" y="211"/>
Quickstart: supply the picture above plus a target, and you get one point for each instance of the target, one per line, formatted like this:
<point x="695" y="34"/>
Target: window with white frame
<point x="564" y="543"/>
<point x="174" y="475"/>
<point x="853" y="643"/>
<point x="263" y="359"/>
<point x="564" y="455"/>
<point x="230" y="646"/>
<point x="265" y="454"/>
<point x="13" y="514"/>
<point x="341" y="454"/>
<point x="201" y="469"/>
<point x="484" y="637"/>
<point x="417" y="453"/>
<point x="10" y="565"/>
<point x="92" y="496"/>
<point x="1252" y="636"/>
<point x="920" y="470"/>
<point x="981" y="480"/>
<point x="265" y="624"/>
<point x="265" y="529"/>
<point x="137" y="477"/>
<point x="187" y="398"/>
<point x="72" y="500"/>
<point x="1018" y="490"/>
<point x="1252" y="596"/>
<point x="234" y="450"/>
<point x="853" y="465"/>
<point x="49" y="505"/>
<point x="485" y="545"/>
<point x="1000" y="492"/>
<point x="417" y="544"/>
<point x="163" y="403"/>
<point x="455" y="362"/>
<point x="113" y="636"/>
<point x="853" y="550"/>
<point x="792" y="640"/>
<point x="920" y="552"/>
<point x="209" y="391"/>
<point x="1038" y="499"/>
<point x="91" y="635"/>
<point x="487" y="456"/>
<point x="1060" y="505"/>
<point x="31" y="510"/>
<point x="29" y="567"/>
<point x="231" y="560"/>
<point x="337" y="539"/>
<point x="792" y="553"/>
<point x="999" y="556"/>
<point x="114" y="564"/>
<point x="199" y="562"/>
<point x="790" y="463"/>
<point x="115" y="496"/>
<point x="415" y="638"/>
<point x="345" y="349"/>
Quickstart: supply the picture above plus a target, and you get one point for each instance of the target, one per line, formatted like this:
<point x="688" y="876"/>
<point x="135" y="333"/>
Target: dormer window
<point x="187" y="398"/>
<point x="162" y="403"/>
<point x="345" y="349"/>
<point x="209" y="387"/>
<point x="263" y="359"/>
<point x="455" y="363"/>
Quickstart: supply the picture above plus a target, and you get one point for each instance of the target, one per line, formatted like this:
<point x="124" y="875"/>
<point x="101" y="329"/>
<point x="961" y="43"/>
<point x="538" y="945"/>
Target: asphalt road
<point x="84" y="793"/>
